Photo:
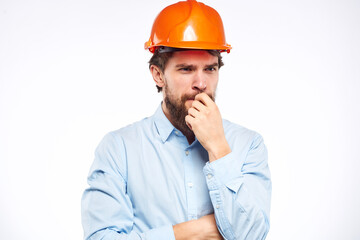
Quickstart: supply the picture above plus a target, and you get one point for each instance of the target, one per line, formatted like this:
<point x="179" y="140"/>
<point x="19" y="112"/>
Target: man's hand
<point x="203" y="228"/>
<point x="205" y="121"/>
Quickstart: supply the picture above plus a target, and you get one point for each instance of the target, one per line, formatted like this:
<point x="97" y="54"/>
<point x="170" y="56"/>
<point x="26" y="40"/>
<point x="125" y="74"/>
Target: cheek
<point x="212" y="82"/>
<point x="180" y="86"/>
<point x="174" y="80"/>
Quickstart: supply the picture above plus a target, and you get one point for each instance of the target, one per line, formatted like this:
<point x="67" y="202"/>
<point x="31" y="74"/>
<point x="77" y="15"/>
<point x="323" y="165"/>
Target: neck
<point x="190" y="138"/>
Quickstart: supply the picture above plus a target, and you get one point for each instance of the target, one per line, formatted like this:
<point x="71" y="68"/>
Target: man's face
<point x="187" y="74"/>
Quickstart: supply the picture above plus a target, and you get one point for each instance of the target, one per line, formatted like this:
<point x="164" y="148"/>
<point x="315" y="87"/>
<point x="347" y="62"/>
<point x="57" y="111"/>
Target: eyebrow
<point x="181" y="65"/>
<point x="212" y="65"/>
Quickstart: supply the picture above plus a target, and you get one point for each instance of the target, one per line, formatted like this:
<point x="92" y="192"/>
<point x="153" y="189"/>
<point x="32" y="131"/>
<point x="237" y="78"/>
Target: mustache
<point x="192" y="96"/>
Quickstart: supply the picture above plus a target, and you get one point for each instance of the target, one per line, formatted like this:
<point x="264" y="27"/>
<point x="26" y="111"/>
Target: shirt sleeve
<point x="107" y="211"/>
<point x="240" y="190"/>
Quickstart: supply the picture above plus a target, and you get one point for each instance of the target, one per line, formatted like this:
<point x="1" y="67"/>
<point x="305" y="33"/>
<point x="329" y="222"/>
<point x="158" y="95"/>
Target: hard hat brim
<point x="189" y="45"/>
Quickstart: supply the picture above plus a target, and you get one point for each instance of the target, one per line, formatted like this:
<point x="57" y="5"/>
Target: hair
<point x="160" y="59"/>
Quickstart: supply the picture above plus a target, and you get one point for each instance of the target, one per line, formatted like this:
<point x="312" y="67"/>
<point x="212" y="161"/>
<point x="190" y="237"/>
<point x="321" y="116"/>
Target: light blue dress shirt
<point x="146" y="178"/>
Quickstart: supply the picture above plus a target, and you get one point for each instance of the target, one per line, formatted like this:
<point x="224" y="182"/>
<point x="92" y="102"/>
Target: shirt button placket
<point x="191" y="198"/>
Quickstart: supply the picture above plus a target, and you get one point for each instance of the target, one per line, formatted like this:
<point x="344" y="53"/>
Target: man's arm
<point x="237" y="176"/>
<point x="107" y="211"/>
<point x="203" y="228"/>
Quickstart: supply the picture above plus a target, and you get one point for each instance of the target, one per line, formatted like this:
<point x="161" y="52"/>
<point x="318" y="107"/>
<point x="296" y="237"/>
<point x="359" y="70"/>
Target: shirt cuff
<point x="226" y="170"/>
<point x="165" y="232"/>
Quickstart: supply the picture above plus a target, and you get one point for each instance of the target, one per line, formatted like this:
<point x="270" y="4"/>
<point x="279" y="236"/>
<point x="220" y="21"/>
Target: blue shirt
<point x="146" y="178"/>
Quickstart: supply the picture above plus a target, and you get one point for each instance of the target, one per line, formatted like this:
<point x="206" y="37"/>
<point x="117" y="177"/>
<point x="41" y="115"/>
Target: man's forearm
<point x="185" y="230"/>
<point x="203" y="228"/>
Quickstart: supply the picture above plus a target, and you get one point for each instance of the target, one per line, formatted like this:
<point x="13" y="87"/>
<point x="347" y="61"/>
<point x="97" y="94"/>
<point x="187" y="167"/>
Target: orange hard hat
<point x="189" y="25"/>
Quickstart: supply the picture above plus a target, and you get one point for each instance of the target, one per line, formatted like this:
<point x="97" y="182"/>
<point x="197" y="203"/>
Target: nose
<point x="199" y="82"/>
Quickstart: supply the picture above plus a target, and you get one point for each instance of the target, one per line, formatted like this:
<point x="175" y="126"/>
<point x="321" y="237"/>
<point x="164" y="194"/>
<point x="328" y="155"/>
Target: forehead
<point x="193" y="57"/>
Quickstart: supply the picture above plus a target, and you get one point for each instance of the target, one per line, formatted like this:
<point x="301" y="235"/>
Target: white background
<point x="71" y="71"/>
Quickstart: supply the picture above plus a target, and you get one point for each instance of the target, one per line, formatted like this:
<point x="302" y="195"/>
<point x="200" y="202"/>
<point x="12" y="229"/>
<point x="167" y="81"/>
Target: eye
<point x="210" y="69"/>
<point x="185" y="69"/>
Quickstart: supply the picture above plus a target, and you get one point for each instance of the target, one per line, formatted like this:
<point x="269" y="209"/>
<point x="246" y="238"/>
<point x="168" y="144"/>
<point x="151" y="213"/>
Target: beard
<point x="178" y="110"/>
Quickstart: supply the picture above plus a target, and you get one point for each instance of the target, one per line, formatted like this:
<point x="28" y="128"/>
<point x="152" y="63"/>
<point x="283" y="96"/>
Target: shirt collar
<point x="163" y="125"/>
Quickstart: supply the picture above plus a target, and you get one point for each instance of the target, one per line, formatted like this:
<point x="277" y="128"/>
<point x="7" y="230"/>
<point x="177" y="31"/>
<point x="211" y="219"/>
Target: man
<point x="183" y="173"/>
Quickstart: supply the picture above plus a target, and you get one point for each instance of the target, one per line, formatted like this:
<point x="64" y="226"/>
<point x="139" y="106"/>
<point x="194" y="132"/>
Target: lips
<point x="192" y="98"/>
<point x="188" y="97"/>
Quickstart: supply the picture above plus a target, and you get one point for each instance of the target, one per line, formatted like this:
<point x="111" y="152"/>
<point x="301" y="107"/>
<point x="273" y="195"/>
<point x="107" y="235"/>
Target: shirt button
<point x="190" y="184"/>
<point x="176" y="132"/>
<point x="187" y="153"/>
<point x="217" y="206"/>
<point x="209" y="176"/>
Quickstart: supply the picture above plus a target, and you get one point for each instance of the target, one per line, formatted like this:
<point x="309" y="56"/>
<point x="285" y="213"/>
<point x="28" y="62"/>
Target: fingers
<point x="204" y="98"/>
<point x="195" y="116"/>
<point x="188" y="120"/>
<point x="198" y="105"/>
<point x="199" y="110"/>
<point x="193" y="112"/>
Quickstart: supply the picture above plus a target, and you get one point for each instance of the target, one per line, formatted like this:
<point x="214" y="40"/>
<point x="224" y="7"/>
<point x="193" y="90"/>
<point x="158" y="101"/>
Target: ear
<point x="157" y="75"/>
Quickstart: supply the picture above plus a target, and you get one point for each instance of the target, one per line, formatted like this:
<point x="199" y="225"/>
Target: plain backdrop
<point x="73" y="70"/>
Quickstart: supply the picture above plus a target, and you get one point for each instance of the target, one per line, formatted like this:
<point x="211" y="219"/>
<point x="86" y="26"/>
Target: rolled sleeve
<point x="225" y="171"/>
<point x="239" y="187"/>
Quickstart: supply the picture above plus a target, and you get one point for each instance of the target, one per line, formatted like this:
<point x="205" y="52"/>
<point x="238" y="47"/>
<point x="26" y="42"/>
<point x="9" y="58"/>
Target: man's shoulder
<point x="134" y="130"/>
